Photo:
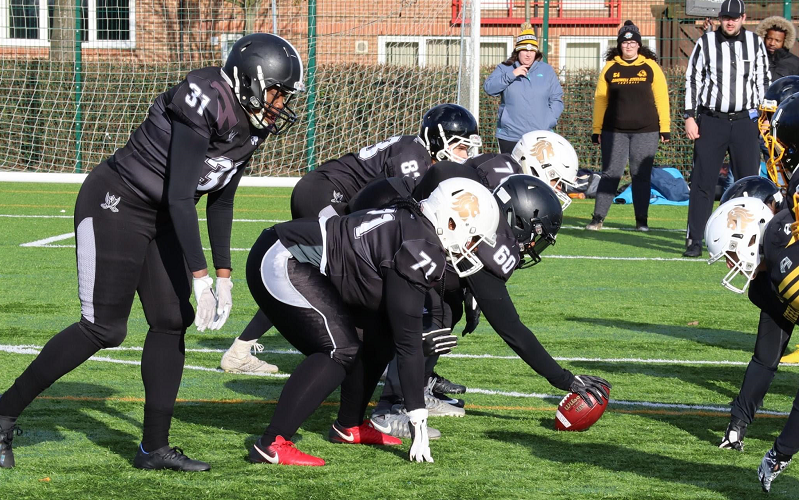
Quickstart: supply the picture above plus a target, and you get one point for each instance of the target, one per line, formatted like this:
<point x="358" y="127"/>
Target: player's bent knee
<point x="346" y="356"/>
<point x="105" y="336"/>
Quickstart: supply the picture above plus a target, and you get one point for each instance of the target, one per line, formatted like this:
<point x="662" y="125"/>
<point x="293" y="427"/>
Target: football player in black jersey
<point x="137" y="231"/>
<point x="774" y="329"/>
<point x="447" y="132"/>
<point x="319" y="279"/>
<point x="737" y="230"/>
<point x="530" y="219"/>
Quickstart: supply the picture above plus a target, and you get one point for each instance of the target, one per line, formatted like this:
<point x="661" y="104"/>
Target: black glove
<point x="582" y="385"/>
<point x="438" y="342"/>
<point x="595" y="138"/>
<point x="472" y="313"/>
<point x="665" y="136"/>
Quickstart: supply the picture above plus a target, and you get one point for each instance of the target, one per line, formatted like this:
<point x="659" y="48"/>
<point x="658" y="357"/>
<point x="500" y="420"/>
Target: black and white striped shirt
<point x="727" y="74"/>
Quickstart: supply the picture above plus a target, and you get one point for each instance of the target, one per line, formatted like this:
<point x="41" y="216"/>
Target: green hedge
<point x="356" y="105"/>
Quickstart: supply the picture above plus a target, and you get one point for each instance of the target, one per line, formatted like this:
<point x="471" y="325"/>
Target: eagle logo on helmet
<point x="543" y="151"/>
<point x="466" y="205"/>
<point x="739" y="218"/>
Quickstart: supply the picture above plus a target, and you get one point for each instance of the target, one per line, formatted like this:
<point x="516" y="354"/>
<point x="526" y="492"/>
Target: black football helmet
<point x="776" y="94"/>
<point x="531" y="208"/>
<point x="754" y="187"/>
<point x="785" y="130"/>
<point x="792" y="196"/>
<point x="258" y="63"/>
<point x="445" y="127"/>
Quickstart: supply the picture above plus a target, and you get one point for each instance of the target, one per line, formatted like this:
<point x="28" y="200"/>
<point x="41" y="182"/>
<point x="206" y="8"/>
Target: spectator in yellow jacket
<point x="631" y="112"/>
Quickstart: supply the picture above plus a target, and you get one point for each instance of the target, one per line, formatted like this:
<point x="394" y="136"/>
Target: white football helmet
<point x="465" y="214"/>
<point x="550" y="157"/>
<point x="734" y="231"/>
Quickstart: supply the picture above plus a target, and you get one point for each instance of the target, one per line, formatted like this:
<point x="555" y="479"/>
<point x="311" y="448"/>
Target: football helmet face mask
<point x="465" y="215"/>
<point x="754" y="186"/>
<point x="533" y="211"/>
<point x="265" y="72"/>
<point x="446" y="127"/>
<point x="734" y="232"/>
<point x="550" y="157"/>
<point x="785" y="133"/>
<point x="776" y="94"/>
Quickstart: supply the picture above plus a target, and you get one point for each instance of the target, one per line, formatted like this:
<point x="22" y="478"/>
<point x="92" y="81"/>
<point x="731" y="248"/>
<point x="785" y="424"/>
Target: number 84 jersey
<point x="205" y="102"/>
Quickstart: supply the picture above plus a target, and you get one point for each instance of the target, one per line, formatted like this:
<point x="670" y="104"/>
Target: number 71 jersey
<point x="205" y="102"/>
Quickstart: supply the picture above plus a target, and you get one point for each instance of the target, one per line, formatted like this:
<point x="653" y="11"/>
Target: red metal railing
<point x="606" y="15"/>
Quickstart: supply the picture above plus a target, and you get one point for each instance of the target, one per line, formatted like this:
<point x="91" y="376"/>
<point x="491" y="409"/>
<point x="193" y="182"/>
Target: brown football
<point x="573" y="414"/>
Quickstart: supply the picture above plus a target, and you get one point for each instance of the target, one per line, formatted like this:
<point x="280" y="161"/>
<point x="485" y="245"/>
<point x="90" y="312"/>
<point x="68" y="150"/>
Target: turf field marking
<point x="34" y="349"/>
<point x="651" y="406"/>
<point x="663" y="230"/>
<point x="45" y="242"/>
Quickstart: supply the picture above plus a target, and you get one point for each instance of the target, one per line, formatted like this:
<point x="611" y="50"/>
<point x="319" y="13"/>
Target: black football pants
<point x="739" y="138"/>
<point x="124" y="246"/>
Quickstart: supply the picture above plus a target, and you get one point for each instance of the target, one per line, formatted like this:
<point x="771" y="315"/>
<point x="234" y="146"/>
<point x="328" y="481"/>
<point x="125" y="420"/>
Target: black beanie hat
<point x="627" y="32"/>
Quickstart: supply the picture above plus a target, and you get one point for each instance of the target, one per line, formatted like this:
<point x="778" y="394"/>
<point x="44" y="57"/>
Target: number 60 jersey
<point x="206" y="103"/>
<point x="355" y="250"/>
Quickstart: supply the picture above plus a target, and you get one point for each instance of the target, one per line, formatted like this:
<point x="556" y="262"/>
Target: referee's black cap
<point x="732" y="8"/>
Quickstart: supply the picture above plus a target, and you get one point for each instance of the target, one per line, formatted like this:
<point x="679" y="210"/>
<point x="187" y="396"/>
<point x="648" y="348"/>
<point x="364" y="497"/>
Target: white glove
<point x="418" y="424"/>
<point x="206" y="302"/>
<point x="224" y="303"/>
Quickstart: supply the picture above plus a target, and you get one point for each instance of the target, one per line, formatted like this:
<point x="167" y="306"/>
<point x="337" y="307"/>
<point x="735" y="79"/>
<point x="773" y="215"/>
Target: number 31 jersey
<point x="205" y="102"/>
<point x="399" y="156"/>
<point x="355" y="250"/>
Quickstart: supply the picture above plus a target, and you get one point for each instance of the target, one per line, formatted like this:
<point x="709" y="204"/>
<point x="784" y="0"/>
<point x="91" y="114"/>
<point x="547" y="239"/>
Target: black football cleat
<point x="8" y="428"/>
<point x="167" y="458"/>
<point x="442" y="385"/>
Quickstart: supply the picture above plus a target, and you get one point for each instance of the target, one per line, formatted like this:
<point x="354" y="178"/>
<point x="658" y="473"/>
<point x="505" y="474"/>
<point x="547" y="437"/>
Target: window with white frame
<point x="582" y="4"/>
<point x="438" y="50"/>
<point x="104" y="23"/>
<point x="588" y="52"/>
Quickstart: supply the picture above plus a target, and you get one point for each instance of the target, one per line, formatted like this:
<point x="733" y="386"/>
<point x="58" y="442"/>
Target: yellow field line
<point x="700" y="413"/>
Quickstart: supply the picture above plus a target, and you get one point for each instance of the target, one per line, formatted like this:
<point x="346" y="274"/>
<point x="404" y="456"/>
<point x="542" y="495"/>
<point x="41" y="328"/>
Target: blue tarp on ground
<point x="667" y="187"/>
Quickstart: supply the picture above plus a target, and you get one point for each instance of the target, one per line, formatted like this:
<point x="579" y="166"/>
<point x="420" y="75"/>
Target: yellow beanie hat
<point x="527" y="40"/>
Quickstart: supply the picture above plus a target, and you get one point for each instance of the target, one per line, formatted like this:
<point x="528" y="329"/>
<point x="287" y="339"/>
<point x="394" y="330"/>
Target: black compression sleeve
<point x="499" y="311"/>
<point x="187" y="150"/>
<point x="404" y="303"/>
<point x="219" y="211"/>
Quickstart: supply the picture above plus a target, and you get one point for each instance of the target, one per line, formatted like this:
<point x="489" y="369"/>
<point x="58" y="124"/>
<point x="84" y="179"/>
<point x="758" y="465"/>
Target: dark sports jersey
<point x="206" y="103"/>
<point x="776" y="236"/>
<point x="500" y="260"/>
<point x="783" y="274"/>
<point x="398" y="156"/>
<point x="775" y="291"/>
<point x="494" y="168"/>
<point x="356" y="250"/>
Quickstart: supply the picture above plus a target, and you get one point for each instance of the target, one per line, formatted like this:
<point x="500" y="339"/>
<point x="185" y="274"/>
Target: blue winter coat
<point x="527" y="103"/>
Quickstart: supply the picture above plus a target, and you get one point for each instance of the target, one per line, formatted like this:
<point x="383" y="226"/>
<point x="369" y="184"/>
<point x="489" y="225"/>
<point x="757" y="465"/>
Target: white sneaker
<point x="238" y="359"/>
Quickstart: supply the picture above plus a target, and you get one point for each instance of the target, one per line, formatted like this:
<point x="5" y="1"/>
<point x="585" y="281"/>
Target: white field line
<point x="663" y="230"/>
<point x="34" y="349"/>
<point x="44" y="242"/>
<point x="29" y="349"/>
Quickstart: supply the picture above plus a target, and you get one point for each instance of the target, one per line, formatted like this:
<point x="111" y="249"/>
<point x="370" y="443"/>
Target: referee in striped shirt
<point x="725" y="82"/>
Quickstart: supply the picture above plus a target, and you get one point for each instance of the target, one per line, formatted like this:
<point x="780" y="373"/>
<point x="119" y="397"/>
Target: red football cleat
<point x="282" y="452"/>
<point x="362" y="434"/>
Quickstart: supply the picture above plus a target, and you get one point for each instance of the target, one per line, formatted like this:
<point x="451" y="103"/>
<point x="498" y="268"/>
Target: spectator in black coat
<point x="779" y="36"/>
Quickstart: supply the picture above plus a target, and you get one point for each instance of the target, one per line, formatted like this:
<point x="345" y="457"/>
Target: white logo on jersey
<point x="253" y="140"/>
<point x="786" y="263"/>
<point x="111" y="202"/>
<point x="787" y="228"/>
<point x="232" y="135"/>
<point x="337" y="197"/>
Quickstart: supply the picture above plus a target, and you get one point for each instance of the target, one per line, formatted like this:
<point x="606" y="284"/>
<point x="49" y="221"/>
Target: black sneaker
<point x="167" y="458"/>
<point x="442" y="385"/>
<point x="641" y="225"/>
<point x="694" y="250"/>
<point x="8" y="428"/>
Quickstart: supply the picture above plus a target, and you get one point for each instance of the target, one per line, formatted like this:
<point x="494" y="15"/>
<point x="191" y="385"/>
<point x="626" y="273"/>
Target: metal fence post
<point x="78" y="89"/>
<point x="311" y="86"/>
<point x="545" y="28"/>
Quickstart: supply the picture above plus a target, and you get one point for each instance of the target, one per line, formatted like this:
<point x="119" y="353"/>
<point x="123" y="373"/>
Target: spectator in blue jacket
<point x="529" y="90"/>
